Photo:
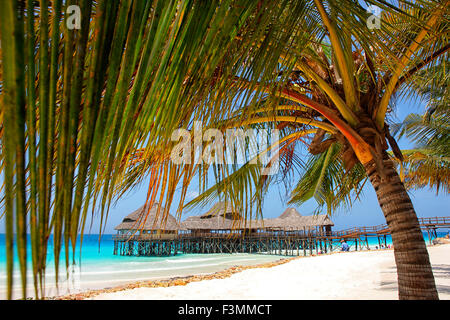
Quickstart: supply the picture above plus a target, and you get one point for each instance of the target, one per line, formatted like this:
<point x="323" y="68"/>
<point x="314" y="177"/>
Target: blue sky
<point x="364" y="212"/>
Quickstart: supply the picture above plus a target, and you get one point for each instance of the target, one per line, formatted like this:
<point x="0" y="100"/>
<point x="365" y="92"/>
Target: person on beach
<point x="345" y="246"/>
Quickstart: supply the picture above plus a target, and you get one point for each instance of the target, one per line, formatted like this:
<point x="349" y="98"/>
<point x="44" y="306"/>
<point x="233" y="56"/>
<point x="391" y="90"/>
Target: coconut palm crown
<point x="89" y="112"/>
<point x="331" y="90"/>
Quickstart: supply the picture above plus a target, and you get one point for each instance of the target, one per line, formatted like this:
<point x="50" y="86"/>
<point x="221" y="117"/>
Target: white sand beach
<point x="350" y="275"/>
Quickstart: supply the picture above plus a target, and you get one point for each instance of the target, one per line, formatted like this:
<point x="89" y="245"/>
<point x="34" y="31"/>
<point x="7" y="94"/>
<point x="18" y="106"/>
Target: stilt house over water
<point x="223" y="230"/>
<point x="292" y="222"/>
<point x="220" y="220"/>
<point x="153" y="225"/>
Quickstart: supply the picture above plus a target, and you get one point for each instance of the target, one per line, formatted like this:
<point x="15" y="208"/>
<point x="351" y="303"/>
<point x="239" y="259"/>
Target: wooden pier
<point x="299" y="243"/>
<point x="267" y="244"/>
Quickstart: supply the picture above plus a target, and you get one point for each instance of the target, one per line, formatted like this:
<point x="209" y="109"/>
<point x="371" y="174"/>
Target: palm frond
<point x="325" y="180"/>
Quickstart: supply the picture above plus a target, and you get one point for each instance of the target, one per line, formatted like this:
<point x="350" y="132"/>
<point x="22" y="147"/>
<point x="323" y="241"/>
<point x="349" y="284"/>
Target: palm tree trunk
<point x="415" y="276"/>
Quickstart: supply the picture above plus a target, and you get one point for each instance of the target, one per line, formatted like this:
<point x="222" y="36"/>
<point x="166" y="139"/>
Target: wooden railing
<point x="125" y="237"/>
<point x="384" y="229"/>
<point x="260" y="235"/>
<point x="443" y="221"/>
<point x="379" y="229"/>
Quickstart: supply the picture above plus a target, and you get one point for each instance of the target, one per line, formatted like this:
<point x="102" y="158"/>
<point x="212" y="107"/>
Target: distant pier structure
<point x="146" y="232"/>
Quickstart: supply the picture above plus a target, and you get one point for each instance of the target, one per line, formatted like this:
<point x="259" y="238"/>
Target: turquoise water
<point x="99" y="268"/>
<point x="373" y="241"/>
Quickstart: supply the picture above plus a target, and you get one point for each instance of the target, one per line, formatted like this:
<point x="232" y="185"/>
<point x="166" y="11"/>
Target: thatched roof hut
<point x="137" y="220"/>
<point x="220" y="209"/>
<point x="290" y="219"/>
<point x="290" y="213"/>
<point x="219" y="223"/>
<point x="220" y="217"/>
<point x="213" y="223"/>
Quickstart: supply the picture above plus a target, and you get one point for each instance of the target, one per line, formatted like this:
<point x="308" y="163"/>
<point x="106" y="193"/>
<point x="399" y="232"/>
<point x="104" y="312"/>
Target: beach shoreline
<point x="176" y="280"/>
<point x="246" y="282"/>
<point x="123" y="291"/>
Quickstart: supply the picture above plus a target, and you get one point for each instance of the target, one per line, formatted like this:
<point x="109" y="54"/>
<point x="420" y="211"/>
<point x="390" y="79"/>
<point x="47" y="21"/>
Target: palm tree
<point x="335" y="86"/>
<point x="81" y="88"/>
<point x="79" y="106"/>
<point x="428" y="164"/>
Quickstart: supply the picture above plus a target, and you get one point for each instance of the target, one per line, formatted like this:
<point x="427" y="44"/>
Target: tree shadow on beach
<point x="440" y="271"/>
